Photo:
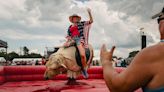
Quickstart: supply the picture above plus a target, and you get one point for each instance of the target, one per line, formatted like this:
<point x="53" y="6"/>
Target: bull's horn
<point x="64" y="66"/>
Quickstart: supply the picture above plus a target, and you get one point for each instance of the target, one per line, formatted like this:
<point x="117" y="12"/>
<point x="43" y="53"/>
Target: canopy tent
<point x="3" y="44"/>
<point x="2" y="59"/>
<point x="27" y="59"/>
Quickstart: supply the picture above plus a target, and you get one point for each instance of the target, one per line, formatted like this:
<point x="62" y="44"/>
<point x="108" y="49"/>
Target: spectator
<point x="146" y="69"/>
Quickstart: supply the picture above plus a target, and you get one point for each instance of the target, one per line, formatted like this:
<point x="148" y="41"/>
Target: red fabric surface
<point x="92" y="90"/>
<point x="99" y="70"/>
<point x="92" y="76"/>
<point x="2" y="78"/>
<point x="24" y="77"/>
<point x="90" y="85"/>
<point x="20" y="73"/>
<point x="30" y="73"/>
<point x="60" y="77"/>
<point x="24" y="70"/>
<point x="30" y="79"/>
<point x="95" y="70"/>
<point x="33" y="77"/>
<point x="40" y="77"/>
<point x="1" y="70"/>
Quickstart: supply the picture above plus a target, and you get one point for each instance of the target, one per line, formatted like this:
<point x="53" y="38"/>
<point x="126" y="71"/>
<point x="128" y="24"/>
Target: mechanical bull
<point x="67" y="60"/>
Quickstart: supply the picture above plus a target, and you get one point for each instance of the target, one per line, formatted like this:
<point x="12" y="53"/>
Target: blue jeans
<point x="77" y="40"/>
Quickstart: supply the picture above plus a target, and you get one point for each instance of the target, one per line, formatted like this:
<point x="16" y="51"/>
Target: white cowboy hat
<point x="74" y="15"/>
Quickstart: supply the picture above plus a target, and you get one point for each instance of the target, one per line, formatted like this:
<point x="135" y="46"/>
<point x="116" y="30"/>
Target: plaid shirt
<point x="83" y="35"/>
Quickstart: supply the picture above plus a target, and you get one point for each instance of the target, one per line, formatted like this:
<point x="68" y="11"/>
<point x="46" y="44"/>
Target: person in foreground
<point x="146" y="70"/>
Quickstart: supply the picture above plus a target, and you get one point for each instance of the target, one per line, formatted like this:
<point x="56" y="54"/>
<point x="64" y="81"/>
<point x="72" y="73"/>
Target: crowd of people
<point x="23" y="61"/>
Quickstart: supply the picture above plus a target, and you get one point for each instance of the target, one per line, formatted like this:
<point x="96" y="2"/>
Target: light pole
<point x="143" y="38"/>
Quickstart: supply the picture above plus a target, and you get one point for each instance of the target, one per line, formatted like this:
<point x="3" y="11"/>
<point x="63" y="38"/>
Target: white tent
<point x="2" y="59"/>
<point x="96" y="58"/>
<point x="27" y="59"/>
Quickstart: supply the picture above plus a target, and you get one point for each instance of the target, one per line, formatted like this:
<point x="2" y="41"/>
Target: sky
<point x="43" y="23"/>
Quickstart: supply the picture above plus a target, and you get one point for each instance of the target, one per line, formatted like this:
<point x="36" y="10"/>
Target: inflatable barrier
<point x="30" y="79"/>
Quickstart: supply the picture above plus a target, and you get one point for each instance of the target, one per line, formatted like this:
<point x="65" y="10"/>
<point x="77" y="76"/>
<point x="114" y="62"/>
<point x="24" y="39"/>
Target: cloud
<point x="142" y="8"/>
<point x="21" y="35"/>
<point x="50" y="10"/>
<point x="11" y="9"/>
<point x="34" y="51"/>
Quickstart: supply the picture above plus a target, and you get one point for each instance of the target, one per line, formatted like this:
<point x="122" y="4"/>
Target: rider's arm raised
<point x="90" y="15"/>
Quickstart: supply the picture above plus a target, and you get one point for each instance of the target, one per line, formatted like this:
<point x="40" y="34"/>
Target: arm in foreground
<point x="135" y="76"/>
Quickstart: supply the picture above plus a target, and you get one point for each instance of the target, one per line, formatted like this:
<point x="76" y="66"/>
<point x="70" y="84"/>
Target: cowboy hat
<point x="74" y="15"/>
<point x="158" y="14"/>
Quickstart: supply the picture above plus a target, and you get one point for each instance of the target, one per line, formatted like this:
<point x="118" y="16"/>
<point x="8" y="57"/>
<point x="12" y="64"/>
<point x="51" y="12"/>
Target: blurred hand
<point x="66" y="44"/>
<point x="106" y="56"/>
<point x="88" y="10"/>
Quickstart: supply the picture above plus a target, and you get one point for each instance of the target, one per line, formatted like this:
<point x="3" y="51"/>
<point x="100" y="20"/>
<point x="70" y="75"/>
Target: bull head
<point x="53" y="66"/>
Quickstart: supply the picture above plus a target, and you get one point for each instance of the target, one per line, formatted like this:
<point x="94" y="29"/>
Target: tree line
<point x="10" y="56"/>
